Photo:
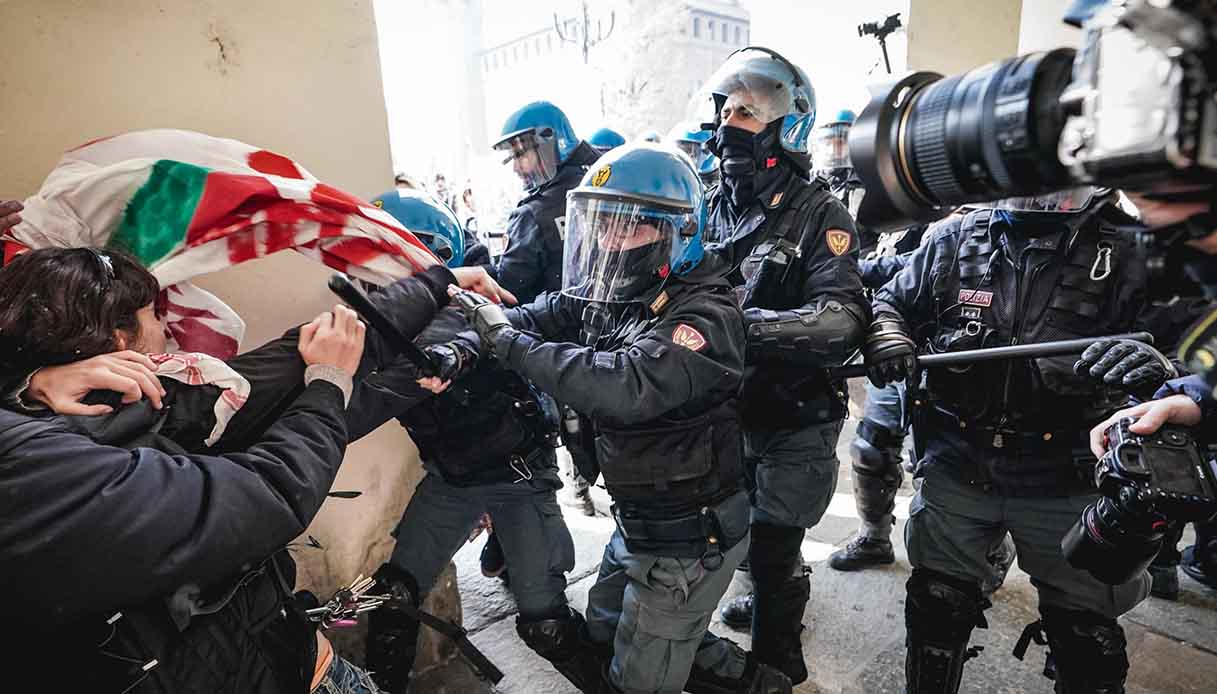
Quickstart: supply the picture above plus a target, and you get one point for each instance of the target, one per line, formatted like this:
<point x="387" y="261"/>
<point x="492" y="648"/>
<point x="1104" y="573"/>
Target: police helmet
<point x="636" y="218"/>
<point x="428" y="219"/>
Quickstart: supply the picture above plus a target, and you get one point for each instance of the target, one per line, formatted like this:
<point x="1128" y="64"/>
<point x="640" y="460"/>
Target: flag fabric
<point x="200" y="369"/>
<point x="187" y="204"/>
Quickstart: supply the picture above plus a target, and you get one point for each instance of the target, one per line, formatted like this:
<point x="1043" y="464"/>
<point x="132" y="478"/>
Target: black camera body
<point x="1134" y="108"/>
<point x="1147" y="483"/>
<point x="889" y="25"/>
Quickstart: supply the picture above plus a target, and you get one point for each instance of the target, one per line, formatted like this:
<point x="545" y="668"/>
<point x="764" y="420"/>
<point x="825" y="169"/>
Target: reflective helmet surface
<point x="535" y="140"/>
<point x="689" y="138"/>
<point x="771" y="87"/>
<point x="605" y="139"/>
<point x="429" y="219"/>
<point x="830" y="147"/>
<point x="635" y="218"/>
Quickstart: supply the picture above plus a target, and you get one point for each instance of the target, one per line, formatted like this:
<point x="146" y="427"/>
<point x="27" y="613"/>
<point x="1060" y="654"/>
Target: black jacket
<point x="976" y="284"/>
<point x="532" y="262"/>
<point x="661" y="390"/>
<point x="787" y="393"/>
<point x="485" y="428"/>
<point x="88" y="530"/>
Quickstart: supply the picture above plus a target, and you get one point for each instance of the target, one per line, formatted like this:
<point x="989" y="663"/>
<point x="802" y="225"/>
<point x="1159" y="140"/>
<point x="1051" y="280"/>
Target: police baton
<point x="346" y="290"/>
<point x="1031" y="350"/>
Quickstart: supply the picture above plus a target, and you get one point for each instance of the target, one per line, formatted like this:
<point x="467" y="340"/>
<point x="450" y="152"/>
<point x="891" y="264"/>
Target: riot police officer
<point x="542" y="149"/>
<point x="1003" y="444"/>
<point x="647" y="340"/>
<point x="605" y="139"/>
<point x="691" y="139"/>
<point x="486" y="446"/>
<point x="793" y="253"/>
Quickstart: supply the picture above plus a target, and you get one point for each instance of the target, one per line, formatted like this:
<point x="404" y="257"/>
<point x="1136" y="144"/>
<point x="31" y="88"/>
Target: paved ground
<point x="854" y="642"/>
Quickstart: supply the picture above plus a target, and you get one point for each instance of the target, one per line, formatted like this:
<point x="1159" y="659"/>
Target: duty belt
<point x="695" y="536"/>
<point x="1004" y="436"/>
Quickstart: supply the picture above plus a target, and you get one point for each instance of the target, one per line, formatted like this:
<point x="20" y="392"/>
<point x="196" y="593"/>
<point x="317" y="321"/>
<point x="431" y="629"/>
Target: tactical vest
<point x="680" y="462"/>
<point x="1034" y="412"/>
<point x="777" y="396"/>
<point x="487" y="428"/>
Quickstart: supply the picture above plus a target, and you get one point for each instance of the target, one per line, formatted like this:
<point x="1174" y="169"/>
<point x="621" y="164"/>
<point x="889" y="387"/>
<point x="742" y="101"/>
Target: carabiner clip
<point x="1104" y="259"/>
<point x="522" y="469"/>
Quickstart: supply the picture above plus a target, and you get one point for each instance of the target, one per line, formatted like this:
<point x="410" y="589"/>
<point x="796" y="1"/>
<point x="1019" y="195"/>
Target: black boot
<point x="1088" y="650"/>
<point x="392" y="636"/>
<point x="862" y="553"/>
<point x="564" y="642"/>
<point x="737" y="613"/>
<point x="940" y="612"/>
<point x="781" y="593"/>
<point x="757" y="678"/>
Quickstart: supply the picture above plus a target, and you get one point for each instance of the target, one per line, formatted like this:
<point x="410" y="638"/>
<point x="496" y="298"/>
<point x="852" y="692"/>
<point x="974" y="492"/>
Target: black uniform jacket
<point x="779" y="394"/>
<point x="661" y="389"/>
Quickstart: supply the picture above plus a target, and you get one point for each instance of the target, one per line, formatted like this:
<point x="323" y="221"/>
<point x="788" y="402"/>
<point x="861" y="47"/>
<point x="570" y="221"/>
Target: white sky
<point x="423" y="74"/>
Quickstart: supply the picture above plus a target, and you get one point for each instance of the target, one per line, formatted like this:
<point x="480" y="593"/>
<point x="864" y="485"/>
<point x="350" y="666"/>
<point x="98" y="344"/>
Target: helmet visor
<point x="830" y="147"/>
<point x="532" y="156"/>
<point x="759" y="82"/>
<point x="616" y="249"/>
<point x="1063" y="202"/>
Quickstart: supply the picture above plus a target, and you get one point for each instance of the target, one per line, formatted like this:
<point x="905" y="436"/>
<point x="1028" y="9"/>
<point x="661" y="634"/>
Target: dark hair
<point x="59" y="305"/>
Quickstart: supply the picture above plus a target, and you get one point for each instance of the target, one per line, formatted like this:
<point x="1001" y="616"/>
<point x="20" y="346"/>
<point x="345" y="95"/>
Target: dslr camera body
<point x="1134" y="108"/>
<point x="1146" y="483"/>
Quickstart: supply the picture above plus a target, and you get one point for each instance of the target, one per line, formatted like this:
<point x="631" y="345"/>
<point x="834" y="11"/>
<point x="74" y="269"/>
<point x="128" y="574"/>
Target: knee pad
<point x="943" y="606"/>
<point x="940" y="612"/>
<point x="392" y="635"/>
<point x="563" y="641"/>
<point x="1088" y="650"/>
<point x="774" y="553"/>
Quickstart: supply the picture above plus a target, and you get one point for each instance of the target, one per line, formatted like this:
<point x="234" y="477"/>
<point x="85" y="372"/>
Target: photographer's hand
<point x="1176" y="409"/>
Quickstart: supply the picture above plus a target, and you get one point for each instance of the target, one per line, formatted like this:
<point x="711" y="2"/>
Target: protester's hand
<point x="486" y="318"/>
<point x="62" y="388"/>
<point x="889" y="351"/>
<point x="9" y="214"/>
<point x="434" y="384"/>
<point x="1132" y="366"/>
<point x="335" y="338"/>
<point x="476" y="279"/>
<point x="1175" y="409"/>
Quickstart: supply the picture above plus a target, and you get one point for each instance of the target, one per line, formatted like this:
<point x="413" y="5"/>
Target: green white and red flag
<point x="187" y="204"/>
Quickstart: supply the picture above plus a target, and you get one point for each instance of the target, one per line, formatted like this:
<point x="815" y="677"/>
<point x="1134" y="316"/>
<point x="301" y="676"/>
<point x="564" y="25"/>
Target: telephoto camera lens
<point x="926" y="144"/>
<point x="1115" y="546"/>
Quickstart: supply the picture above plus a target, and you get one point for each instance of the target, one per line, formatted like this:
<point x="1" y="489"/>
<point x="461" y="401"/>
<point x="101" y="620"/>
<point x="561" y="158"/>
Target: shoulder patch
<point x="838" y="241"/>
<point x="688" y="337"/>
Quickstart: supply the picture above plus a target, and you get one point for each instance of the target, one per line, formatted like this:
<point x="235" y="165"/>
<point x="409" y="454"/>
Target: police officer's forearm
<point x="615" y="385"/>
<point x="823" y="334"/>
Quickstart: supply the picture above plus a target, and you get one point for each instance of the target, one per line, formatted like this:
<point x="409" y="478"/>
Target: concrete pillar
<point x="301" y="77"/>
<point x="951" y="36"/>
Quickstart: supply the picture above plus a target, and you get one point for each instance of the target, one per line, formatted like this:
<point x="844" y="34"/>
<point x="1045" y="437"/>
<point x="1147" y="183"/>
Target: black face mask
<point x="748" y="161"/>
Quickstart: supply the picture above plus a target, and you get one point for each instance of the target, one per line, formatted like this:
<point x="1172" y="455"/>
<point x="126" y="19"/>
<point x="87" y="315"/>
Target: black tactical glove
<point x="453" y="359"/>
<point x="889" y="351"/>
<point x="1134" y="367"/>
<point x="486" y="318"/>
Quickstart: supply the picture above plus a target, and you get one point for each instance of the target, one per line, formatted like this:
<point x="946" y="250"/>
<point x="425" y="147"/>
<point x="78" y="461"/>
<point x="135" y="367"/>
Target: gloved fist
<point x="1134" y="367"/>
<point x="889" y="351"/>
<point x="486" y="318"/>
<point x="452" y="359"/>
